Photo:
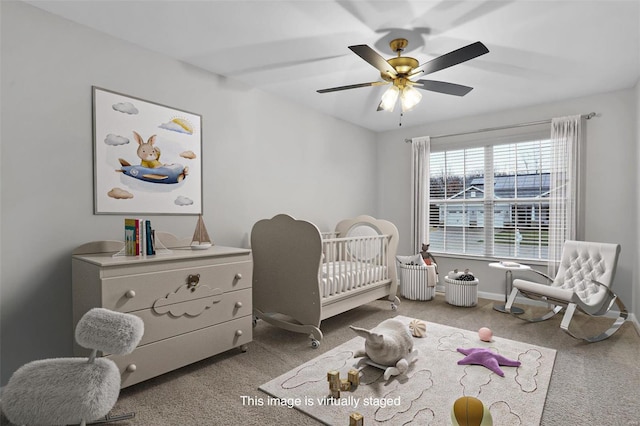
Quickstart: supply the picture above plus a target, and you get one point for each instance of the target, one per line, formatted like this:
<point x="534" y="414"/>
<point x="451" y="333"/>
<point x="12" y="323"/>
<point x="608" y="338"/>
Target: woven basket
<point x="414" y="282"/>
<point x="461" y="293"/>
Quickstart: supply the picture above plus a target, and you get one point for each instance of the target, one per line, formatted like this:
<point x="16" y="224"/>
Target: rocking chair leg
<point x="566" y="319"/>
<point x="551" y="313"/>
<point x="546" y="316"/>
<point x="511" y="300"/>
<point x="605" y="334"/>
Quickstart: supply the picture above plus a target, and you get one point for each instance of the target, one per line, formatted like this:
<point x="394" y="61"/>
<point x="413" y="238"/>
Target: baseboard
<point x="493" y="296"/>
<point x="634" y="321"/>
<point x="497" y="297"/>
<point x="501" y="298"/>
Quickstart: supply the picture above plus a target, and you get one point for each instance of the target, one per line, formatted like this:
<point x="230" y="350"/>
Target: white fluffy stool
<point x="74" y="390"/>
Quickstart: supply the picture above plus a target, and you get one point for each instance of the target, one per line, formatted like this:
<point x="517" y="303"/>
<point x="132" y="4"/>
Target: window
<point x="491" y="198"/>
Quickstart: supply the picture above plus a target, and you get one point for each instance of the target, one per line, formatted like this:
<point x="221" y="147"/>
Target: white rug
<point x="425" y="394"/>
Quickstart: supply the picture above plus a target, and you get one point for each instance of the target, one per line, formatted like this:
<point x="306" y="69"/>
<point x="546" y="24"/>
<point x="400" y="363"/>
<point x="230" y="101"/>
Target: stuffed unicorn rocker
<point x="389" y="346"/>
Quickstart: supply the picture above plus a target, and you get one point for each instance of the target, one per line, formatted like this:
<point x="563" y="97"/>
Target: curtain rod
<point x="489" y="129"/>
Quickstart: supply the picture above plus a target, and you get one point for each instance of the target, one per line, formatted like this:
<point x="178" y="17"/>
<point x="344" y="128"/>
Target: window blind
<point x="490" y="196"/>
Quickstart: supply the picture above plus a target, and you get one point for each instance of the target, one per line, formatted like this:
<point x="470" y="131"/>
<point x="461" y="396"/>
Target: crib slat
<point x="354" y="262"/>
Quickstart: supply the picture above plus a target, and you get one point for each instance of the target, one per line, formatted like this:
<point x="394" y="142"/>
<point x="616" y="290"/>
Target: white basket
<point x="461" y="293"/>
<point x="414" y="282"/>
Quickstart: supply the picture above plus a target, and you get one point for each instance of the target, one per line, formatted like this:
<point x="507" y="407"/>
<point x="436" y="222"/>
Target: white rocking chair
<point x="583" y="281"/>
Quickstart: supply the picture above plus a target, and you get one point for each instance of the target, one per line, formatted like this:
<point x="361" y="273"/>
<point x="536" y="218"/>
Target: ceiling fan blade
<point x="452" y="58"/>
<point x="442" y="87"/>
<point x="352" y="86"/>
<point x="371" y="56"/>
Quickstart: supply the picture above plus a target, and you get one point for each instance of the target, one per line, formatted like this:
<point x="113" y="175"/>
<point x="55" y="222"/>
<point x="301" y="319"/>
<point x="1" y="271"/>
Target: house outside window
<point x="491" y="200"/>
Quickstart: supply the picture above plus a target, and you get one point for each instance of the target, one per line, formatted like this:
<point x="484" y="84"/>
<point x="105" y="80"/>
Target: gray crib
<point x="302" y="276"/>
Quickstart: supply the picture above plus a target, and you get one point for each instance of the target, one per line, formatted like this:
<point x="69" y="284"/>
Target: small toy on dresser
<point x="201" y="240"/>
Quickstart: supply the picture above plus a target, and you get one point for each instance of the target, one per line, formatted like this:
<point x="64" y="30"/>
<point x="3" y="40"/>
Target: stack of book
<point x="139" y="238"/>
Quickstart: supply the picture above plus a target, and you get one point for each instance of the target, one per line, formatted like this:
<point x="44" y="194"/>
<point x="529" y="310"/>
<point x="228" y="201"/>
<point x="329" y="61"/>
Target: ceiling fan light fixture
<point x="409" y="98"/>
<point x="399" y="70"/>
<point x="389" y="98"/>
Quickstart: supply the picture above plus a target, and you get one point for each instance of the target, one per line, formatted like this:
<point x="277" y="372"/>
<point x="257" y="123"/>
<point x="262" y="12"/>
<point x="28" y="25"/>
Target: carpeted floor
<point x="591" y="384"/>
<point x="424" y="394"/>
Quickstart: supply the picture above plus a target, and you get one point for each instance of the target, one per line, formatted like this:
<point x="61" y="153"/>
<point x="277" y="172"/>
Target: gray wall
<point x="262" y="156"/>
<point x="611" y="206"/>
<point x="636" y="287"/>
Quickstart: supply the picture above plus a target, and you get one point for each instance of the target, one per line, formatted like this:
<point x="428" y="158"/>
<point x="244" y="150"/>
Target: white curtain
<point x="566" y="133"/>
<point x="421" y="147"/>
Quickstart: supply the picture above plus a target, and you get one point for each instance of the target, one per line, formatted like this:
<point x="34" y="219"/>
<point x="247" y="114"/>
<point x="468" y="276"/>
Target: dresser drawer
<point x="140" y="291"/>
<point x="234" y="304"/>
<point x="194" y="303"/>
<point x="160" y="357"/>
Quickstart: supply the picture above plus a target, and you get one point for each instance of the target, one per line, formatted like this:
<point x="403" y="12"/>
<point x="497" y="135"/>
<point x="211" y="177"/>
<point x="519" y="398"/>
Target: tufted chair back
<point x="585" y="261"/>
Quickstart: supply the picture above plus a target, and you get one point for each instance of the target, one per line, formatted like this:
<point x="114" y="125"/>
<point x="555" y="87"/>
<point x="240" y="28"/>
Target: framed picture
<point x="147" y="156"/>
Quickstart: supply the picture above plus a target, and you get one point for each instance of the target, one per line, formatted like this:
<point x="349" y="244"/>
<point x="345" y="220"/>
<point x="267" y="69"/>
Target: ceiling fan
<point x="398" y="72"/>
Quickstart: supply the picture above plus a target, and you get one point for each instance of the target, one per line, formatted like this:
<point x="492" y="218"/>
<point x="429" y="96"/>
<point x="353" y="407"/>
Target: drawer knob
<point x="238" y="333"/>
<point x="131" y="368"/>
<point x="130" y="294"/>
<point x="238" y="305"/>
<point x="238" y="276"/>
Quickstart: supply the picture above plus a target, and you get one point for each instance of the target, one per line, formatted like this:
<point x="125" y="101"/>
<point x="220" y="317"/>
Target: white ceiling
<point x="540" y="51"/>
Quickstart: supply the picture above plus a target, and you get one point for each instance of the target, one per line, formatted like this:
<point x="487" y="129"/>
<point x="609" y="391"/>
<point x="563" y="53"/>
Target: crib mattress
<point x="342" y="276"/>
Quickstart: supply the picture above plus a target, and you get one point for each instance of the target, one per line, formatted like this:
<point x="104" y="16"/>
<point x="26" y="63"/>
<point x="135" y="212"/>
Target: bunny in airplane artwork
<point x="148" y="153"/>
<point x="150" y="168"/>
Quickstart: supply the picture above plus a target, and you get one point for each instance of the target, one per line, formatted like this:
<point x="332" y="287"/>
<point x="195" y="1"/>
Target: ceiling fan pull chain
<point x="400" y="121"/>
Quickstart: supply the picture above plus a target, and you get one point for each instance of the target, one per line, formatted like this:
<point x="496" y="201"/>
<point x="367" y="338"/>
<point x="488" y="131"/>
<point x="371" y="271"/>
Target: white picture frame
<point x="168" y="180"/>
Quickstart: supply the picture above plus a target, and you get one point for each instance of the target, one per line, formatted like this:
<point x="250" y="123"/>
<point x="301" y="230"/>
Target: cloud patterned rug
<point x="424" y="394"/>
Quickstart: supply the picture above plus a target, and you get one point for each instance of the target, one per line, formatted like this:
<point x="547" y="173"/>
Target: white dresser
<point x="194" y="303"/>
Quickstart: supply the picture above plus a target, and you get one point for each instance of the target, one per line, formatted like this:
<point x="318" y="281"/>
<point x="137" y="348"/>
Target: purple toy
<point x="486" y="358"/>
